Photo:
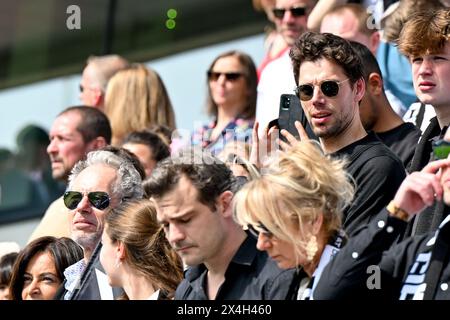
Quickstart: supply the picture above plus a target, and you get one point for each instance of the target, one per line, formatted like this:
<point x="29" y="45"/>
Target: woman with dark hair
<point x="38" y="271"/>
<point x="231" y="101"/>
<point x="136" y="254"/>
<point x="6" y="265"/>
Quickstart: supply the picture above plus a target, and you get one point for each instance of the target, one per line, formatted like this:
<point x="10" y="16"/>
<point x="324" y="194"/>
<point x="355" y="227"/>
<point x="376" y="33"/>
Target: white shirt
<point x="276" y="78"/>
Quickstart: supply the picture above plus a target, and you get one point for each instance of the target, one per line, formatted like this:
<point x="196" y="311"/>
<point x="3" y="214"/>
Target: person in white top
<point x="277" y="77"/>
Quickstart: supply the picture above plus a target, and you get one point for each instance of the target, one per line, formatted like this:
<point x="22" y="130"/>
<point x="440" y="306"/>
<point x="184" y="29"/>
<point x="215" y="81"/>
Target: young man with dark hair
<point x="148" y="147"/>
<point x="193" y="194"/>
<point x="377" y="114"/>
<point x="331" y="85"/>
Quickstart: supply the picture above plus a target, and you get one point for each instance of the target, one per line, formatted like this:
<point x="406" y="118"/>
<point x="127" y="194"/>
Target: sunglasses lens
<point x="330" y="88"/>
<point x="232" y="76"/>
<point x="72" y="199"/>
<point x="81" y="88"/>
<point x="305" y="92"/>
<point x="278" y="13"/>
<point x="99" y="199"/>
<point x="298" y="12"/>
<point x="213" y="76"/>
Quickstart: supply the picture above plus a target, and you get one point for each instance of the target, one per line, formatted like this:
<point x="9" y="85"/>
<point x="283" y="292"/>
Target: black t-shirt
<point x="377" y="172"/>
<point x="402" y="140"/>
<point x="251" y="275"/>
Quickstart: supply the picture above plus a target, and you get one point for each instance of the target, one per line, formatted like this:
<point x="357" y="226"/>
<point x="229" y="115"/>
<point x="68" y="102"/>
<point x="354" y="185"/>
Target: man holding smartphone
<point x="331" y="85"/>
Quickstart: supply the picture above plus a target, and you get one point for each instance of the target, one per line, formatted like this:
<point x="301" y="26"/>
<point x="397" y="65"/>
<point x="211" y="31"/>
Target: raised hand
<point x="421" y="188"/>
<point x="292" y="141"/>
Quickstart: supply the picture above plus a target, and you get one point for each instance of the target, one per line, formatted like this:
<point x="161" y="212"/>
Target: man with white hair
<point x="101" y="182"/>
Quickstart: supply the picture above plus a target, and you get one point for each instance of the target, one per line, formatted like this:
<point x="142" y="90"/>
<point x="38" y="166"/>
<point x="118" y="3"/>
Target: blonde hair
<point x="146" y="247"/>
<point x="301" y="185"/>
<point x="136" y="99"/>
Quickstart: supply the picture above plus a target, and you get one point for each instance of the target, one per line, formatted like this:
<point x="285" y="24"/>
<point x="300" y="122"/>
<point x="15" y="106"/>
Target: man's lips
<point x="320" y="117"/>
<point x="83" y="223"/>
<point x="426" y="85"/>
<point x="183" y="249"/>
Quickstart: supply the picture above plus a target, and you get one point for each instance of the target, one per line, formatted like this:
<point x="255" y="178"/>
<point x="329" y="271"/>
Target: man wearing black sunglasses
<point x="276" y="78"/>
<point x="101" y="182"/>
<point x="331" y="85"/>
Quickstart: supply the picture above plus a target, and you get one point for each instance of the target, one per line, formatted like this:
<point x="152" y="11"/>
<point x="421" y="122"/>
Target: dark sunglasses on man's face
<point x="329" y="88"/>
<point x="230" y="76"/>
<point x="295" y="12"/>
<point x="97" y="199"/>
<point x="441" y="149"/>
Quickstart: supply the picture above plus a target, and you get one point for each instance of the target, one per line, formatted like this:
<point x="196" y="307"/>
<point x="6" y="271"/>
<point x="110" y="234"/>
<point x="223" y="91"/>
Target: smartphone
<point x="290" y="111"/>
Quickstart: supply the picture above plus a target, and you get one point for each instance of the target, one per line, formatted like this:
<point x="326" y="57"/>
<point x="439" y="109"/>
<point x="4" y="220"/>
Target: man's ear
<point x="98" y="97"/>
<point x="374" y="42"/>
<point x="224" y="203"/>
<point x="375" y="84"/>
<point x="360" y="87"/>
<point x="97" y="143"/>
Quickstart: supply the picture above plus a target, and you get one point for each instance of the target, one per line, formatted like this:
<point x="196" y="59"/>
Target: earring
<point x="118" y="263"/>
<point x="311" y="248"/>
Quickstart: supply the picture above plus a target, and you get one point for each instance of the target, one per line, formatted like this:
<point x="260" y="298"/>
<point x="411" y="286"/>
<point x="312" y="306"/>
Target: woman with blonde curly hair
<point x="295" y="210"/>
<point x="137" y="99"/>
<point x="136" y="254"/>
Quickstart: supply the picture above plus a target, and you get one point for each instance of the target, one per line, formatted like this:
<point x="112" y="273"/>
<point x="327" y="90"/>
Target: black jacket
<point x="403" y="269"/>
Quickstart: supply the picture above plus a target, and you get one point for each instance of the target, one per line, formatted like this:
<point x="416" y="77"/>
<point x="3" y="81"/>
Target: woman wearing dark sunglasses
<point x="295" y="212"/>
<point x="231" y="101"/>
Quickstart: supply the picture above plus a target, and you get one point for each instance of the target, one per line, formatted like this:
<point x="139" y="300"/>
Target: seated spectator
<point x="377" y="114"/>
<point x="295" y="211"/>
<point x="274" y="43"/>
<point x="415" y="269"/>
<point x="231" y="102"/>
<point x="98" y="184"/>
<point x="95" y="77"/>
<point x="193" y="193"/>
<point x="136" y="254"/>
<point x="136" y="99"/>
<point x="6" y="265"/>
<point x="148" y="147"/>
<point x="38" y="271"/>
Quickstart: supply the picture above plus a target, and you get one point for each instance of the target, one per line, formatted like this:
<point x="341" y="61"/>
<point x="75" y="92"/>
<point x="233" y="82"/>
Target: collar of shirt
<point x="154" y="295"/>
<point x="73" y="274"/>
